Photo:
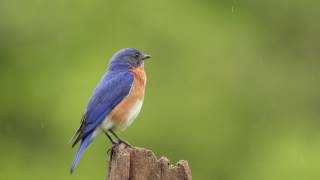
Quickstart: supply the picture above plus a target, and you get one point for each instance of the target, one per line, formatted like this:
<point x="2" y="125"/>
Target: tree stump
<point x="134" y="163"/>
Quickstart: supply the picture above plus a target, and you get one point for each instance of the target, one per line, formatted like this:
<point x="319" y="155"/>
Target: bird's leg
<point x="119" y="139"/>
<point x="110" y="150"/>
<point x="112" y="141"/>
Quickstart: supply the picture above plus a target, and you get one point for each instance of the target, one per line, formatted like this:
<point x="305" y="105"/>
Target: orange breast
<point x="122" y="112"/>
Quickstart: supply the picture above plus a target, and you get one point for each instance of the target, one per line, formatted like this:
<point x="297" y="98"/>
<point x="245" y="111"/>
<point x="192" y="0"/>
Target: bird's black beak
<point x="146" y="56"/>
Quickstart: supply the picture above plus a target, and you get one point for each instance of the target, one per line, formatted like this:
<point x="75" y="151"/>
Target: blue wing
<point x="110" y="91"/>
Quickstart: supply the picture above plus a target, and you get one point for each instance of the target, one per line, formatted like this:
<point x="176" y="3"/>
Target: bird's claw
<point x="120" y="141"/>
<point x="110" y="150"/>
<point x="124" y="142"/>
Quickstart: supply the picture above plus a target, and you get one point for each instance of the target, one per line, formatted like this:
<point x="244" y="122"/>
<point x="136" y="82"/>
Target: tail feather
<point x="84" y="144"/>
<point x="74" y="137"/>
<point x="79" y="132"/>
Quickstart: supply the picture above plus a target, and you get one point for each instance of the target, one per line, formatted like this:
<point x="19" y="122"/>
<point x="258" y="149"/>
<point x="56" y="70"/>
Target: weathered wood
<point x="134" y="163"/>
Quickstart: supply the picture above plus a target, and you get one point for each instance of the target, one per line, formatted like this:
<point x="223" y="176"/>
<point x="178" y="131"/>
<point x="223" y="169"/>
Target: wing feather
<point x="110" y="91"/>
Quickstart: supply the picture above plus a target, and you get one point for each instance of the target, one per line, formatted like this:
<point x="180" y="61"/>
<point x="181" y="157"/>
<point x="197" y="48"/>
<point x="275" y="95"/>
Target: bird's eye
<point x="137" y="55"/>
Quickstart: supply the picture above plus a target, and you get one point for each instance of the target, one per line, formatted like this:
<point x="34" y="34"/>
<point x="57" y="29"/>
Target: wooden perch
<point x="134" y="163"/>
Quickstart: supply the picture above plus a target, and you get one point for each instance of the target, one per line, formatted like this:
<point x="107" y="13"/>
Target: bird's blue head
<point x="127" y="58"/>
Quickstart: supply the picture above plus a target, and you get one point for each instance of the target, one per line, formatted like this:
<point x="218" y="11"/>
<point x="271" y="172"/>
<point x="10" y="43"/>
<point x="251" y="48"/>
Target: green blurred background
<point x="233" y="86"/>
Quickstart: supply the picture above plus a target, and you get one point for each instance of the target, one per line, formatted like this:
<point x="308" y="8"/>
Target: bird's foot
<point x="121" y="141"/>
<point x="111" y="149"/>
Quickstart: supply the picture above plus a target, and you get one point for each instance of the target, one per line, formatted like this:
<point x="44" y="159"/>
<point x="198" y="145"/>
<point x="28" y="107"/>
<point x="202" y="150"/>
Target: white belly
<point x="132" y="113"/>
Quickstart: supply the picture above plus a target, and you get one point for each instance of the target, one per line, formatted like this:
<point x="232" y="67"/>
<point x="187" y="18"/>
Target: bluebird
<point x="115" y="102"/>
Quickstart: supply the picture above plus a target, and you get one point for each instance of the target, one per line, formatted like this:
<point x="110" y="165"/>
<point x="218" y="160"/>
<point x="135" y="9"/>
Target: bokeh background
<point x="233" y="86"/>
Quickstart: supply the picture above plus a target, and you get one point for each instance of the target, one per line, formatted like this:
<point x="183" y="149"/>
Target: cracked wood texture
<point x="134" y="163"/>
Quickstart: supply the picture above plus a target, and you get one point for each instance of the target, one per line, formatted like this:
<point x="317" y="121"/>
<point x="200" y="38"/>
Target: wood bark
<point x="134" y="163"/>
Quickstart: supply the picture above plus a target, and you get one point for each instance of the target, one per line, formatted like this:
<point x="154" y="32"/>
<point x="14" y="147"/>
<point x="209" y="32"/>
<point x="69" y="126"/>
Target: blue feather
<point x="113" y="87"/>
<point x="110" y="91"/>
<point x="84" y="144"/>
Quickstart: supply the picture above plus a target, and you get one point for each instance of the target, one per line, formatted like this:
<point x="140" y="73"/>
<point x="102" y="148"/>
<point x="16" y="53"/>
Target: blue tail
<point x="84" y="144"/>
